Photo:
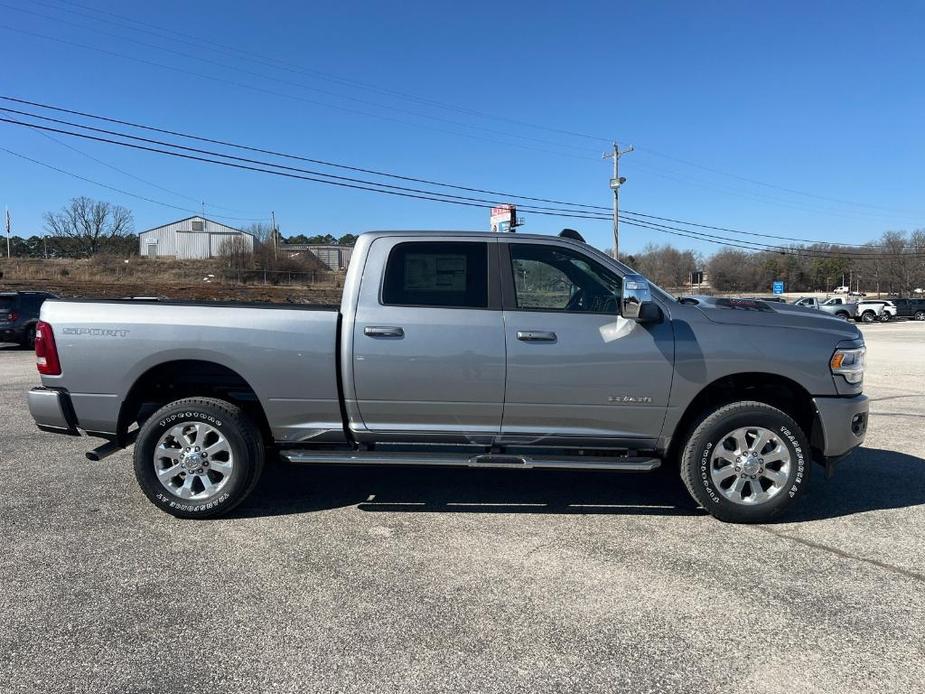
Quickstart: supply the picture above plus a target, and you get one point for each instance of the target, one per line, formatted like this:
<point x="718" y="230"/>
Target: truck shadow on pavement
<point x="286" y="489"/>
<point x="872" y="479"/>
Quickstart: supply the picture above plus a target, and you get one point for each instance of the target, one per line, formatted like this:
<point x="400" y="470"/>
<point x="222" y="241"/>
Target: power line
<point x="773" y="201"/>
<point x="740" y="232"/>
<point x="284" y="95"/>
<point x="150" y="183"/>
<point x="236" y="158"/>
<point x="108" y="187"/>
<point x="271" y="152"/>
<point x="298" y="69"/>
<point x="274" y="63"/>
<point x="765" y="184"/>
<point x="374" y="172"/>
<point x="372" y="186"/>
<point x="288" y="82"/>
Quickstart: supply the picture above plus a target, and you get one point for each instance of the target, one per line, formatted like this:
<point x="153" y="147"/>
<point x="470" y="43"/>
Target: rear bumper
<point x="52" y="411"/>
<point x="843" y="423"/>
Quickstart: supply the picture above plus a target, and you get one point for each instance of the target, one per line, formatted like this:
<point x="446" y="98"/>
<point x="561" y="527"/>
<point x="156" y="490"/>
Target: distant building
<point x="334" y="257"/>
<point x="193" y="238"/>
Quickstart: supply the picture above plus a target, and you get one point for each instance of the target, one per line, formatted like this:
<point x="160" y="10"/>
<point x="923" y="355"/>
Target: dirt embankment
<point x="184" y="280"/>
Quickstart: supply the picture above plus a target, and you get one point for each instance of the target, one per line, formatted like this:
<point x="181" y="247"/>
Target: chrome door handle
<point x="536" y="336"/>
<point x="383" y="331"/>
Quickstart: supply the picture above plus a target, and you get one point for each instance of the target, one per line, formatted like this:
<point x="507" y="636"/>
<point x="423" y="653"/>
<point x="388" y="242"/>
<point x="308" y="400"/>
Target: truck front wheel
<point x="746" y="462"/>
<point x="198" y="457"/>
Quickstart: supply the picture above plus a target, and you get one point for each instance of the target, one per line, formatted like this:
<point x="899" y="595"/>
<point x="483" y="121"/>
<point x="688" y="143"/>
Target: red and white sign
<point x="503" y="217"/>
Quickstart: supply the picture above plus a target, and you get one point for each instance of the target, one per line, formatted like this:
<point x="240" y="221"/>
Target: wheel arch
<point x="772" y="389"/>
<point x="172" y="380"/>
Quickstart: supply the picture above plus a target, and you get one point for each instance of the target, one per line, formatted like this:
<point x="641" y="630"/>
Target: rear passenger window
<point x="437" y="273"/>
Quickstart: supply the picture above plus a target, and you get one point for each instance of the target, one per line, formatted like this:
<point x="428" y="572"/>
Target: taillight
<point x="12" y="316"/>
<point x="46" y="352"/>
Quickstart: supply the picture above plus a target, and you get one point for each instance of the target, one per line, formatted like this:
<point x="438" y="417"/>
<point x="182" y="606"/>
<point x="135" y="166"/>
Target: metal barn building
<point x="334" y="257"/>
<point x="193" y="238"/>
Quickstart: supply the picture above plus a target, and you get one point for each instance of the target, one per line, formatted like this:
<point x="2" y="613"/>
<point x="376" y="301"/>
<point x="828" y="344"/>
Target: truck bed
<point x="285" y="353"/>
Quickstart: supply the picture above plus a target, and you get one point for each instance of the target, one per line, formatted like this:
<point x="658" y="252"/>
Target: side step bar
<point x="107" y="449"/>
<point x="496" y="460"/>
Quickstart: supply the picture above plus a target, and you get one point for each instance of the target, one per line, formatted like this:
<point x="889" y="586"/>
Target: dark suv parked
<point x="910" y="308"/>
<point x="19" y="312"/>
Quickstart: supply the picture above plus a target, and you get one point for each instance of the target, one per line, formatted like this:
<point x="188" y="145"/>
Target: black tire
<point x="698" y="458"/>
<point x="28" y="337"/>
<point x="844" y="315"/>
<point x="243" y="438"/>
<point x="885" y="317"/>
<point x="919" y="315"/>
<point x="868" y="316"/>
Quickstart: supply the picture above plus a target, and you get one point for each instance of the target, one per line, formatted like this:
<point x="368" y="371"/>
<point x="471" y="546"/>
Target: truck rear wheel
<point x="198" y="457"/>
<point x="746" y="462"/>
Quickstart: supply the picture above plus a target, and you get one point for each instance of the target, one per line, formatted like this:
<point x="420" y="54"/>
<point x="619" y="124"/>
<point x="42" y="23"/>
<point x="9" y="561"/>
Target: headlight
<point x="849" y="363"/>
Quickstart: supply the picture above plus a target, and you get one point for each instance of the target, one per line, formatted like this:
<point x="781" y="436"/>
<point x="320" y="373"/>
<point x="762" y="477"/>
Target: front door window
<point x="551" y="278"/>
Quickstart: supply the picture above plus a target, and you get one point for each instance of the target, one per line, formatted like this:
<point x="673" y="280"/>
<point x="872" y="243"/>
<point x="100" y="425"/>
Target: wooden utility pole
<point x="615" y="184"/>
<point x="275" y="237"/>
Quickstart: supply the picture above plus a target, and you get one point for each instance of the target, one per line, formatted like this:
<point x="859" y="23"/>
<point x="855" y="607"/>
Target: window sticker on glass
<point x="431" y="272"/>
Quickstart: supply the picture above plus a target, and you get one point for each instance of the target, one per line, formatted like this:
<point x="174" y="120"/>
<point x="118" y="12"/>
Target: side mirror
<point x="637" y="301"/>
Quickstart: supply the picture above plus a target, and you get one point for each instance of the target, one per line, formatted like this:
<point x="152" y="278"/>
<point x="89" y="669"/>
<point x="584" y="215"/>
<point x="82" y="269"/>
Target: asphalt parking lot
<point x="367" y="580"/>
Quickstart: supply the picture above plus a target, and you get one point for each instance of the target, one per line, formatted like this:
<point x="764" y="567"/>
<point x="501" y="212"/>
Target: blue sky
<point x="727" y="103"/>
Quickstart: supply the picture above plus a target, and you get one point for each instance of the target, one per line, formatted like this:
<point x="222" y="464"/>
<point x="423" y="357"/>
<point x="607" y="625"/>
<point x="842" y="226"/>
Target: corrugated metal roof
<point x="197" y="217"/>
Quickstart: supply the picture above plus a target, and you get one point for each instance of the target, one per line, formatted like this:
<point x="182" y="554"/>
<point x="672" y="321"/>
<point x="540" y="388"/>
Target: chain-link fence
<point x="313" y="278"/>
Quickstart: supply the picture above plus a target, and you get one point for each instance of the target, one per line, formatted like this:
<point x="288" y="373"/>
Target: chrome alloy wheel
<point x="750" y="465"/>
<point x="193" y="461"/>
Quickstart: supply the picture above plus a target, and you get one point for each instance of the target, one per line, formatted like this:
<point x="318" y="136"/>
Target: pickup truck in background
<point x="467" y="349"/>
<point x="910" y="308"/>
<point x="840" y="307"/>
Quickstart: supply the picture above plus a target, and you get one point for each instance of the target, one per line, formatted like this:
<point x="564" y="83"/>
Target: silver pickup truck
<point x="841" y="307"/>
<point x="469" y="349"/>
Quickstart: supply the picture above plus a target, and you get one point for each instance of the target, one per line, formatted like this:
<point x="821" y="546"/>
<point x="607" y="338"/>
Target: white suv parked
<point x="889" y="310"/>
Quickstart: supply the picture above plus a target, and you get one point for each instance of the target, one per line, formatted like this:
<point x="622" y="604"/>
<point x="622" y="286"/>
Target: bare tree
<point x="90" y="224"/>
<point x="262" y="231"/>
<point x="236" y="253"/>
<point x="731" y="270"/>
<point x="917" y="248"/>
<point x="666" y="265"/>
